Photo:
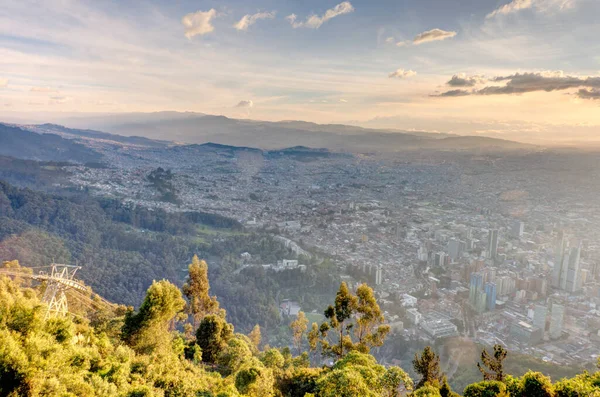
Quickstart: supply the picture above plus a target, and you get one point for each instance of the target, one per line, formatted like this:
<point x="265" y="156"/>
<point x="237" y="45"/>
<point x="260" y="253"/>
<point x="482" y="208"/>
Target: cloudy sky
<point x="523" y="68"/>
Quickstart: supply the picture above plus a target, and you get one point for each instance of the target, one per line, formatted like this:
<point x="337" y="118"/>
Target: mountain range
<point x="198" y="128"/>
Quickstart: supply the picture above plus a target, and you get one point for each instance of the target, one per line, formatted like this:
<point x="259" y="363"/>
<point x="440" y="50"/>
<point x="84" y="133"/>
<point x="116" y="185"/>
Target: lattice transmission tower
<point x="60" y="279"/>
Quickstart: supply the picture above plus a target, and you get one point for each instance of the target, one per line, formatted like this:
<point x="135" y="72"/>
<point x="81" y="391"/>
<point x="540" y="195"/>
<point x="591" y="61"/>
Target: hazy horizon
<point x="80" y="120"/>
<point x="522" y="70"/>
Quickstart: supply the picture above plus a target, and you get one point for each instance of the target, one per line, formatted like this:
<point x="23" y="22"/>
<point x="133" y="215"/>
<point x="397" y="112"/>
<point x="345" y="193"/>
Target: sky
<point x="520" y="69"/>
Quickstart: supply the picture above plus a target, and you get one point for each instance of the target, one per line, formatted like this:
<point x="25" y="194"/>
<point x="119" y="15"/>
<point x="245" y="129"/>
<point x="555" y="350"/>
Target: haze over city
<point x="525" y="70"/>
<point x="300" y="198"/>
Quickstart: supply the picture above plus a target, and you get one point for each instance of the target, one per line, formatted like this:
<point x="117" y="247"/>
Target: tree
<point x="428" y="366"/>
<point x="255" y="336"/>
<point x="446" y="390"/>
<point x="488" y="388"/>
<point x="149" y="327"/>
<point x="234" y="354"/>
<point x="273" y="359"/>
<point x="393" y="379"/>
<point x="254" y="380"/>
<point x="196" y="289"/>
<point x="426" y="391"/>
<point x="339" y="316"/>
<point x="212" y="336"/>
<point x="313" y="337"/>
<point x="356" y="374"/>
<point x="13" y="367"/>
<point x="299" y="327"/>
<point x="492" y="367"/>
<point x="581" y="385"/>
<point x="370" y="330"/>
<point x="535" y="384"/>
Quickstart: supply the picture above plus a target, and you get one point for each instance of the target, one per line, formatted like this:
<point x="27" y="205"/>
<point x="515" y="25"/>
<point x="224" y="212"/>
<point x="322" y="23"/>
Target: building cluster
<point x="487" y="247"/>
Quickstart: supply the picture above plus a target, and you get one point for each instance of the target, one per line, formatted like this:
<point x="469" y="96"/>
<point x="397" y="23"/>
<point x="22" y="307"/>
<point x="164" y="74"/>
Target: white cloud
<point x="3" y="83"/>
<point x="544" y="6"/>
<point x="433" y="35"/>
<point x="551" y="6"/>
<point x="198" y="23"/>
<point x="249" y="20"/>
<point x="343" y="101"/>
<point x="42" y="89"/>
<point x="292" y="19"/>
<point x="315" y="21"/>
<point x="392" y="40"/>
<point x="245" y="104"/>
<point x="513" y="6"/>
<point x="402" y="74"/>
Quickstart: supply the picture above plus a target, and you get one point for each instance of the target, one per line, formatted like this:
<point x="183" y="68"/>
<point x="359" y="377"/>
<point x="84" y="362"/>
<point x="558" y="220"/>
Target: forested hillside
<point x="123" y="248"/>
<point x="46" y="147"/>
<point x="180" y="343"/>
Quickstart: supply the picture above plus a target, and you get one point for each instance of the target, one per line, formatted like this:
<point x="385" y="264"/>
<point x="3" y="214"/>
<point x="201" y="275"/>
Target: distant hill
<point x="225" y="150"/>
<point x="91" y="134"/>
<point x="24" y="144"/>
<point x="197" y="128"/>
<point x="474" y="142"/>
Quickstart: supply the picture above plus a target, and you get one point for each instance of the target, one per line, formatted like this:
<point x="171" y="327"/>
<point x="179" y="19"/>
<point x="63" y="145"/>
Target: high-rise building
<point x="468" y="233"/>
<point x="506" y="285"/>
<point x="541" y="285"/>
<point x="564" y="270"/>
<point x="557" y="318"/>
<point x="440" y="259"/>
<point x="490" y="292"/>
<point x="423" y="253"/>
<point x="517" y="229"/>
<point x="539" y="317"/>
<point x="489" y="274"/>
<point x="379" y="275"/>
<point x="469" y="244"/>
<point x="462" y="246"/>
<point x="481" y="301"/>
<point x="573" y="268"/>
<point x="475" y="286"/>
<point x="454" y="249"/>
<point x="559" y="253"/>
<point x="584" y="276"/>
<point x="492" y="243"/>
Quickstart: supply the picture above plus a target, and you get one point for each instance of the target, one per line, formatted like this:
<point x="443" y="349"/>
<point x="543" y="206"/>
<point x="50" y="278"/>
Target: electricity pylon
<point x="60" y="279"/>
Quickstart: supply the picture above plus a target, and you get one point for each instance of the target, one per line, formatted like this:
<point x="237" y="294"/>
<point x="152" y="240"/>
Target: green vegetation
<point x="159" y="351"/>
<point x="360" y="313"/>
<point x="515" y="363"/>
<point x="493" y="365"/>
<point x="123" y="247"/>
<point x="161" y="180"/>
